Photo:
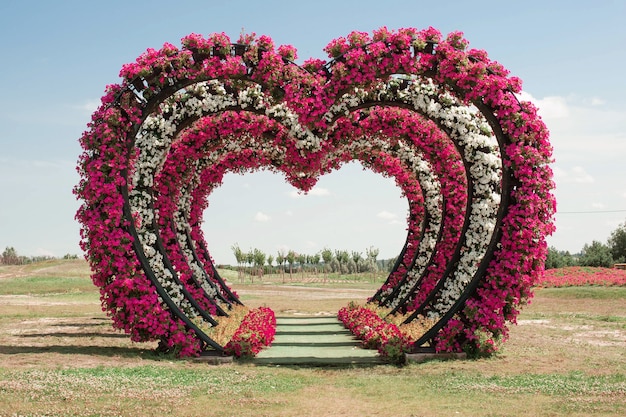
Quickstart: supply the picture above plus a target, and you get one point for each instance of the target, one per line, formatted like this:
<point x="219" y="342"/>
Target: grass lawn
<point x="59" y="356"/>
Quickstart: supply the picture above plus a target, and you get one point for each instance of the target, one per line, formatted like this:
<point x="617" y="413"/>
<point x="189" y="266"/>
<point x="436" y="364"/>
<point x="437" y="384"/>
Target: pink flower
<point x="293" y="128"/>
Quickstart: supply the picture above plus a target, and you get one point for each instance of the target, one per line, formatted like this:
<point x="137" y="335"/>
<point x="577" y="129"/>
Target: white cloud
<point x="319" y="191"/>
<point x="551" y="107"/>
<point x="598" y="205"/>
<point x="89" y="106"/>
<point x="315" y="192"/>
<point x="580" y="176"/>
<point x="44" y="252"/>
<point x="390" y="217"/>
<point x="261" y="217"/>
<point x="284" y="249"/>
<point x="386" y="215"/>
<point x="583" y="125"/>
<point x="576" y="175"/>
<point x="289" y="213"/>
<point x="595" y="101"/>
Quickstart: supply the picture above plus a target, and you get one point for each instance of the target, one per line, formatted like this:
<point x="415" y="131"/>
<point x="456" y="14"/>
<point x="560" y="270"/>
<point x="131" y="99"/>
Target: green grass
<point x="175" y="388"/>
<point x="588" y="292"/>
<point x="39" y="285"/>
<point x="546" y="369"/>
<point x="572" y="383"/>
<point x="435" y="380"/>
<point x="222" y="380"/>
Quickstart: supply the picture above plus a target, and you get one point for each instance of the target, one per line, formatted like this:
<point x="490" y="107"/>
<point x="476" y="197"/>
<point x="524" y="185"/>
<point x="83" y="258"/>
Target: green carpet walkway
<point x="315" y="341"/>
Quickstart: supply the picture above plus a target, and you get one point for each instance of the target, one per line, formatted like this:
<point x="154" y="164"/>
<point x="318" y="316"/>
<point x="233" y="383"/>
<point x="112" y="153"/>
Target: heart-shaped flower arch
<point x="442" y="120"/>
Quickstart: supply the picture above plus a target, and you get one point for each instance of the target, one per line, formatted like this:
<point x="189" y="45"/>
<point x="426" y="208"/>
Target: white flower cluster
<point x="433" y="200"/>
<point x="198" y="272"/>
<point x="305" y="139"/>
<point x="465" y="127"/>
<point x="171" y="287"/>
<point x="479" y="148"/>
<point x="346" y="104"/>
<point x="153" y="143"/>
<point x="481" y="155"/>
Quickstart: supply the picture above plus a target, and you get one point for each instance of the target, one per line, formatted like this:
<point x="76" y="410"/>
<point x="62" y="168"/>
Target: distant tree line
<point x="11" y="257"/>
<point x="594" y="254"/>
<point x="257" y="262"/>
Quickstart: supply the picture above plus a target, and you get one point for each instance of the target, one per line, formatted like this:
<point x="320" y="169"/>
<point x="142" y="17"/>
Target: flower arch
<point x="442" y="119"/>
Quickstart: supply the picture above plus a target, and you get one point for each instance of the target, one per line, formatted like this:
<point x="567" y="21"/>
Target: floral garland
<point x="441" y="119"/>
<point x="472" y="137"/>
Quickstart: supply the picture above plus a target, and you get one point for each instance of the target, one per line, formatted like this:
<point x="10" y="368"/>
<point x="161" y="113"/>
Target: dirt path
<point x="13" y="272"/>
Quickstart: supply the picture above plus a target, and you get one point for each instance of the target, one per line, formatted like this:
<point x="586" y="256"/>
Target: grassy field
<point x="59" y="356"/>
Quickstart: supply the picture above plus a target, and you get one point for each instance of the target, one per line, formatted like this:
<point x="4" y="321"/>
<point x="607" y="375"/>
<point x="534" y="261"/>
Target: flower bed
<point x="583" y="275"/>
<point x="378" y="330"/>
<point x="256" y="331"/>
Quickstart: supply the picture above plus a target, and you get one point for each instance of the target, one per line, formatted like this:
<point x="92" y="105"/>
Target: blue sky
<point x="57" y="57"/>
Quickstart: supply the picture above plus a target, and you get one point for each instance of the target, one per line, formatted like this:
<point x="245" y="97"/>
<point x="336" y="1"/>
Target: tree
<point x="342" y="257"/>
<point x="291" y="258"/>
<point x="371" y="264"/>
<point x="10" y="256"/>
<point x="327" y="257"/>
<point x="372" y="253"/>
<point x="301" y="258"/>
<point x="249" y="257"/>
<point x="596" y="254"/>
<point x="314" y="260"/>
<point x="352" y="266"/>
<point x="357" y="257"/>
<point x="559" y="259"/>
<point x="280" y="260"/>
<point x="239" y="256"/>
<point x="270" y="261"/>
<point x="259" y="260"/>
<point x="617" y="244"/>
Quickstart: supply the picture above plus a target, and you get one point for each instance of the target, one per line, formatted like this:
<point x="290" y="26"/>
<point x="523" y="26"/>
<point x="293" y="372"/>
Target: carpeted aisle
<point x="315" y="341"/>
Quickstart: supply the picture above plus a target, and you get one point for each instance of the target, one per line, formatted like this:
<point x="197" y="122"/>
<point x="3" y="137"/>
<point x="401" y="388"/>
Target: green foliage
<point x="617" y="244"/>
<point x="596" y="254"/>
<point x="239" y="256"/>
<point x="10" y="257"/>
<point x="559" y="259"/>
<point x="259" y="258"/>
<point x="327" y="255"/>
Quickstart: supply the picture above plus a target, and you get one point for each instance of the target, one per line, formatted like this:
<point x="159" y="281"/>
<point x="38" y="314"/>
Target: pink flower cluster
<point x="256" y="331"/>
<point x="290" y="125"/>
<point x="572" y="276"/>
<point x="374" y="332"/>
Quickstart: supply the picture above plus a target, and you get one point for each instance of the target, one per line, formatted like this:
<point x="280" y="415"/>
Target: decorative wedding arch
<point x="443" y="120"/>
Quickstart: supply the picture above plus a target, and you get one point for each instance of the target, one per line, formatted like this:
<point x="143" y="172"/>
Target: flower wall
<point x="441" y="119"/>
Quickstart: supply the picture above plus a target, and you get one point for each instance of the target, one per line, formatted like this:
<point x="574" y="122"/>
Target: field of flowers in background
<point x="583" y="275"/>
